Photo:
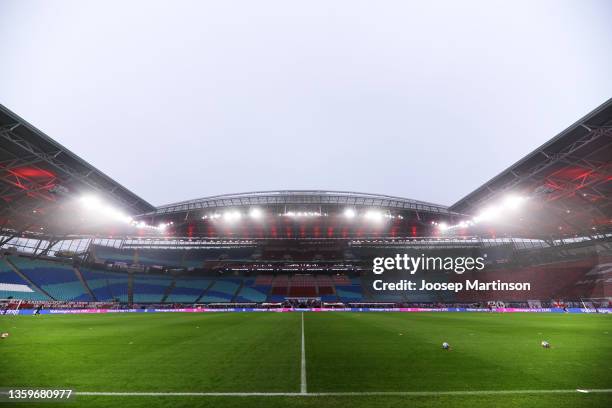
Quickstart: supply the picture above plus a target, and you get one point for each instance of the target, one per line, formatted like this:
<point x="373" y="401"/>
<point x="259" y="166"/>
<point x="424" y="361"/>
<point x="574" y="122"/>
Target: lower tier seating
<point x="223" y="290"/>
<point x="59" y="280"/>
<point x="187" y="290"/>
<point x="106" y="286"/>
<point x="13" y="286"/>
<point x="150" y="289"/>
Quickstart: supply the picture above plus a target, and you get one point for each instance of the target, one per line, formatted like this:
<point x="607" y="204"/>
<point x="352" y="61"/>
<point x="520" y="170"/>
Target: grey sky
<point x="427" y="100"/>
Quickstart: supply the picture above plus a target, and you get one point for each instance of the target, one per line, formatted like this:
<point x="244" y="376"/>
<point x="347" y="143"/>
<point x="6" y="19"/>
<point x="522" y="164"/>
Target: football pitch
<point x="332" y="359"/>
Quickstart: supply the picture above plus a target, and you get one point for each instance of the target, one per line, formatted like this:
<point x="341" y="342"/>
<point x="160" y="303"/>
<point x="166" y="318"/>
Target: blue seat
<point x="187" y="290"/>
<point x="106" y="286"/>
<point x="13" y="286"/>
<point x="57" y="279"/>
<point x="349" y="293"/>
<point x="150" y="289"/>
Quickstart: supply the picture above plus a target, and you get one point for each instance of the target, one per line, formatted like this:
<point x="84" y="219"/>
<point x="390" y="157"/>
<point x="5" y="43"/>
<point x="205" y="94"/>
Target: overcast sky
<point x="423" y="99"/>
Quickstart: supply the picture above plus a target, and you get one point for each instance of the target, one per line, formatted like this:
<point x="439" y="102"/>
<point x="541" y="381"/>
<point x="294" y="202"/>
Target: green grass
<point x="345" y="352"/>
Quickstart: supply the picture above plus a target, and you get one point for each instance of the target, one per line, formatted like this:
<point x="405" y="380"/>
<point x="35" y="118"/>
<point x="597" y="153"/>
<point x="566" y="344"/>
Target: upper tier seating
<point x="192" y="258"/>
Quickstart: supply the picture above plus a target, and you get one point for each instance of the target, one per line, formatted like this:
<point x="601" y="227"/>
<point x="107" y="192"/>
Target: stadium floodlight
<point x="115" y="214"/>
<point x="100" y="209"/>
<point x="95" y="205"/>
<point x="91" y="202"/>
<point x="512" y="202"/>
<point x="349" y="213"/>
<point x="256" y="213"/>
<point x="231" y="216"/>
<point x="373" y="215"/>
<point x="143" y="225"/>
<point x="488" y="214"/>
<point x="443" y="226"/>
<point x="302" y="214"/>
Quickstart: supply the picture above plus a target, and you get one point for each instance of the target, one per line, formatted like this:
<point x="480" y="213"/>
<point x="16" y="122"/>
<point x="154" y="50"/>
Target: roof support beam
<point x="7" y="133"/>
<point x="566" y="153"/>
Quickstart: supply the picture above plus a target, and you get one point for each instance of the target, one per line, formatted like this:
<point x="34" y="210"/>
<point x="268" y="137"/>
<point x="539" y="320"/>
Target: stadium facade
<point x="71" y="233"/>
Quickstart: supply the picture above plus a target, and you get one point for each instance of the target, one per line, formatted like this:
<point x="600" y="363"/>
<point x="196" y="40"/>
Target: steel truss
<point x="565" y="155"/>
<point x="69" y="174"/>
<point x="301" y="197"/>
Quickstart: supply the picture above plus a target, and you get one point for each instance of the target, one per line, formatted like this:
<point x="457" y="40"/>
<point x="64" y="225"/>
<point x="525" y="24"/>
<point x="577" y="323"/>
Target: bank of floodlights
<point x="105" y="212"/>
<point x="489" y="214"/>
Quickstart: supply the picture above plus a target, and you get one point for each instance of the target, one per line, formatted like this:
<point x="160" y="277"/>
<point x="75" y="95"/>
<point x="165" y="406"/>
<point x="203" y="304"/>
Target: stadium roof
<point x="568" y="181"/>
<point x="301" y="197"/>
<point x="570" y="176"/>
<point x="299" y="214"/>
<point x="36" y="171"/>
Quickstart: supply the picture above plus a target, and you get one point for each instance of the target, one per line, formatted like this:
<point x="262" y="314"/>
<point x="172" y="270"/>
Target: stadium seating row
<point x="12" y="285"/>
<point x="38" y="279"/>
<point x="48" y="280"/>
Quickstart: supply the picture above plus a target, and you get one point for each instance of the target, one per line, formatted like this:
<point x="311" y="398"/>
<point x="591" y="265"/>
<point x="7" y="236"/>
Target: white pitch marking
<point x="585" y="391"/>
<point x="334" y="394"/>
<point x="303" y="388"/>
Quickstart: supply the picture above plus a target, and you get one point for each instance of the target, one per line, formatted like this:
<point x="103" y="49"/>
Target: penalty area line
<point x="337" y="394"/>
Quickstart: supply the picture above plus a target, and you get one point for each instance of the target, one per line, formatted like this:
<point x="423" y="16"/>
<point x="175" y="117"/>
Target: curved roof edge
<point x="539" y="159"/>
<point x="280" y="197"/>
<point x="36" y="147"/>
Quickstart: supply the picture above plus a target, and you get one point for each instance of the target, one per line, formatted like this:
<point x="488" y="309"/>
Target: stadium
<point x="268" y="298"/>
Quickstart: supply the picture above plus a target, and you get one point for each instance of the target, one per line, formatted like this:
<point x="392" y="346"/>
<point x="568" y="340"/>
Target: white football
<point x="445" y="346"/>
<point x="4" y="335"/>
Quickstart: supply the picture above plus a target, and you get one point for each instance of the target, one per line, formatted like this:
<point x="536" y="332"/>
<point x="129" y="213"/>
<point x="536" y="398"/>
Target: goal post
<point x="10" y="307"/>
<point x="591" y="305"/>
